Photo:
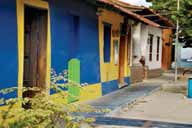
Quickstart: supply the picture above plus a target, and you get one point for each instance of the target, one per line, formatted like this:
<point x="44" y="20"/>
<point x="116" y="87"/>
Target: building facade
<point x="53" y="34"/>
<point x="98" y="44"/>
<point x="146" y="52"/>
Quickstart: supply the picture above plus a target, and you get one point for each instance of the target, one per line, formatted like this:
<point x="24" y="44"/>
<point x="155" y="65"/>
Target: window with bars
<point x="150" y="42"/>
<point x="158" y="48"/>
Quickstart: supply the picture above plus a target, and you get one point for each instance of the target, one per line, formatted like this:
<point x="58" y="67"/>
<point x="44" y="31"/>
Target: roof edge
<point x="130" y="13"/>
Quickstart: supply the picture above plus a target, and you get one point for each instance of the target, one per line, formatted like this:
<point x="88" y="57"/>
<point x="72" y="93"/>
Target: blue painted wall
<point x="75" y="41"/>
<point x="107" y="43"/>
<point x="110" y="86"/>
<point x="8" y="48"/>
<point x="127" y="80"/>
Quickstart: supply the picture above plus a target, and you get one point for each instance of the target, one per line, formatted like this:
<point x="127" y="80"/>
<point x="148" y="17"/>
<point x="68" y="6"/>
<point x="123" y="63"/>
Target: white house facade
<point x="146" y="52"/>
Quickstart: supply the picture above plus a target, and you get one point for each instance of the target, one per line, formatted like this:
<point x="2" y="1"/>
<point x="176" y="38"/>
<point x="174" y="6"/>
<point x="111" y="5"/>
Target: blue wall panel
<point x="8" y="48"/>
<point x="67" y="45"/>
<point x="107" y="42"/>
<point x="108" y="87"/>
<point x="127" y="80"/>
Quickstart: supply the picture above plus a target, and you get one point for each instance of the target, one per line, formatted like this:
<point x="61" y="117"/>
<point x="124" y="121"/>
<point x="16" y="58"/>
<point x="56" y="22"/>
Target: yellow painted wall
<point x="87" y="93"/>
<point x="91" y="92"/>
<point x="110" y="71"/>
<point x="20" y="26"/>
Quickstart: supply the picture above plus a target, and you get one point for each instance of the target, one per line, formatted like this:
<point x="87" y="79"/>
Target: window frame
<point x="150" y="42"/>
<point x="158" y="48"/>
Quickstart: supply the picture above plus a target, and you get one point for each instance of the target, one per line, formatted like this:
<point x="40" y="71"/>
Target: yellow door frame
<point x="20" y="30"/>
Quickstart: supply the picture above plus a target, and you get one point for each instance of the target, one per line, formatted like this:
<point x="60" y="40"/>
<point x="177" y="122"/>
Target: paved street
<point x="145" y="104"/>
<point x="110" y="122"/>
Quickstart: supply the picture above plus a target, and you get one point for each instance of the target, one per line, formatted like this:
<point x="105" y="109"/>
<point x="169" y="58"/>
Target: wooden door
<point x="167" y="49"/>
<point x="122" y="60"/>
<point x="35" y="49"/>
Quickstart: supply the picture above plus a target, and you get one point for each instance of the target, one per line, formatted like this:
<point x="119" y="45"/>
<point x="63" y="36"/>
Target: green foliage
<point x="169" y="8"/>
<point x="42" y="110"/>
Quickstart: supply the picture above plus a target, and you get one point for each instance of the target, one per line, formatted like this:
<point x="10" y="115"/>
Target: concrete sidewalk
<point x="146" y="105"/>
<point x="123" y="97"/>
<point x="129" y="96"/>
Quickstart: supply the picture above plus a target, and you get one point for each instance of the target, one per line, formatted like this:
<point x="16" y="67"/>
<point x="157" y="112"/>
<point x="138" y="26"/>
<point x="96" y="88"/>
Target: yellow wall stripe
<point x="20" y="34"/>
<point x="37" y="3"/>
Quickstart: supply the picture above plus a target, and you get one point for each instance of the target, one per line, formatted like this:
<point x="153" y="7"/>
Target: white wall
<point x="140" y="46"/>
<point x="144" y="38"/>
<point x="154" y="64"/>
<point x="136" y="44"/>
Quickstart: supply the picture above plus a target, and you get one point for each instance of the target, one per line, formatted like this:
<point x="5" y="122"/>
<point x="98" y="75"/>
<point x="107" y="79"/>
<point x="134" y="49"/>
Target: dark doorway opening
<point x="173" y="54"/>
<point x="35" y="48"/>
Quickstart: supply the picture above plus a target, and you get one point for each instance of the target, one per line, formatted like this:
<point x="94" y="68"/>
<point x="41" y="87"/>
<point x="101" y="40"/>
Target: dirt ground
<point x="160" y="106"/>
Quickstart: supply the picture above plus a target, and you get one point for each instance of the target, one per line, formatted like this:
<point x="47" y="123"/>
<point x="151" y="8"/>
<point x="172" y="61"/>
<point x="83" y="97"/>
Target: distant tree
<point x="169" y="8"/>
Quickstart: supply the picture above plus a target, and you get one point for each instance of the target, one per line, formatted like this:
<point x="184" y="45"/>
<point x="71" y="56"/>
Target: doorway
<point x="35" y="49"/>
<point x="122" y="61"/>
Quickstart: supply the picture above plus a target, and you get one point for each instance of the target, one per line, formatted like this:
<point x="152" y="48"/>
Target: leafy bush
<point x="42" y="110"/>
